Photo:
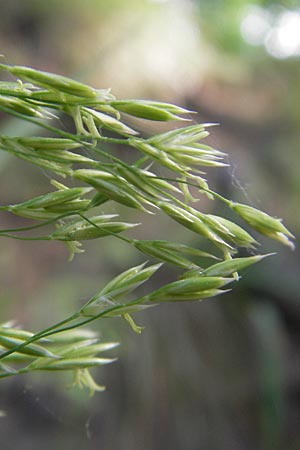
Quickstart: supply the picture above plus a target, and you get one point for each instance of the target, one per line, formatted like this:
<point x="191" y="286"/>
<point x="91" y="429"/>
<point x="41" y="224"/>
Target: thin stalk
<point x="99" y="315"/>
<point x="62" y="133"/>
<point x="46" y="127"/>
<point x="46" y="332"/>
<point x="123" y="238"/>
<point x="39" y="225"/>
<point x="20" y="238"/>
<point x="55" y="328"/>
<point x="71" y="136"/>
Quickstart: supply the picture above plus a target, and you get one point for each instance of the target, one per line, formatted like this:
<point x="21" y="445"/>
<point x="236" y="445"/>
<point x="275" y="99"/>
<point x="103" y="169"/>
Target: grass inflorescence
<point x="166" y="167"/>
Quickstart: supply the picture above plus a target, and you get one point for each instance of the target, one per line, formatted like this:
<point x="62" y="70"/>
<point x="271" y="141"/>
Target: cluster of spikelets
<point x="76" y="350"/>
<point x="159" y="180"/>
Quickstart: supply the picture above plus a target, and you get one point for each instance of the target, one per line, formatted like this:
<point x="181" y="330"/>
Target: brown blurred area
<point x="219" y="375"/>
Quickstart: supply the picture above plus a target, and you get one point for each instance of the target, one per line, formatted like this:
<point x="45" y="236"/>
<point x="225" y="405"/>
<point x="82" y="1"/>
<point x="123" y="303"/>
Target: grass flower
<point x="162" y="170"/>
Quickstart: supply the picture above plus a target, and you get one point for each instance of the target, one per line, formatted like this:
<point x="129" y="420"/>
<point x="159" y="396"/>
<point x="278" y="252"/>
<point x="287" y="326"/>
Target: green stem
<point x="39" y="225"/>
<point x="109" y="140"/>
<point x="71" y="136"/>
<point x="123" y="238"/>
<point x="47" y="127"/>
<point x="55" y="328"/>
<point x="62" y="133"/>
<point x="97" y="316"/>
<point x="13" y="236"/>
<point x="46" y="332"/>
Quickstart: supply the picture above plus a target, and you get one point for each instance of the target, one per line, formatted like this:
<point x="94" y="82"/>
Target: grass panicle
<point x="165" y="171"/>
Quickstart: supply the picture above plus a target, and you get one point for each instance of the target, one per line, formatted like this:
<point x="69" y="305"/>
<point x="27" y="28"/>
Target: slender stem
<point x="39" y="225"/>
<point x="71" y="136"/>
<point x="109" y="140"/>
<point x="46" y="332"/>
<point x="13" y="236"/>
<point x="55" y="328"/>
<point x="46" y="127"/>
<point x="64" y="133"/>
<point x="98" y="316"/>
<point x="123" y="238"/>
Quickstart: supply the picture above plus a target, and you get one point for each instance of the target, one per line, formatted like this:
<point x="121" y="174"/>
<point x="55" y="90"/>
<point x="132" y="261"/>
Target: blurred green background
<point x="221" y="375"/>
